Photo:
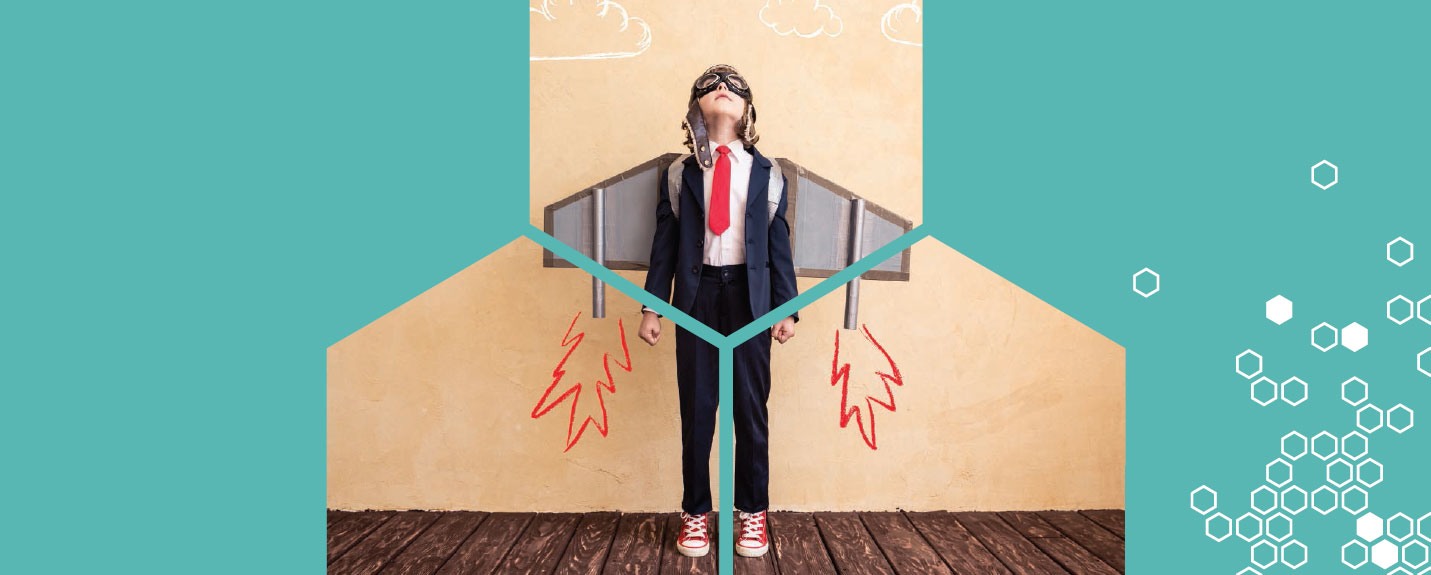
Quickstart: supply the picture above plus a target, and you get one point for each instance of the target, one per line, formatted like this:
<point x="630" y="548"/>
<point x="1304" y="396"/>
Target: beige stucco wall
<point x="1007" y="403"/>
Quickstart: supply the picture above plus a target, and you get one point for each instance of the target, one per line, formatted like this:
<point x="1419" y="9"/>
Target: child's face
<point x="721" y="102"/>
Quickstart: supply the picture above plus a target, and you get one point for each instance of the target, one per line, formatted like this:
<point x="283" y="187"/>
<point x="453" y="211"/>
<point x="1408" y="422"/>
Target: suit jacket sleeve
<point x="782" y="262"/>
<point x="663" y="246"/>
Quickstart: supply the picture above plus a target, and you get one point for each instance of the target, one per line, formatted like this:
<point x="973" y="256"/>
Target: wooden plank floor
<point x="896" y="543"/>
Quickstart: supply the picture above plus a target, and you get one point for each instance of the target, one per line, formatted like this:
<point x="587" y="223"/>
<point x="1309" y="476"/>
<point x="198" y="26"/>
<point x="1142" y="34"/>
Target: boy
<point x="727" y="246"/>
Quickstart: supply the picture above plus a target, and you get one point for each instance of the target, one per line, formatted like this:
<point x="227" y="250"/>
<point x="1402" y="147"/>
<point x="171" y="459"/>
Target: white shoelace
<point x="693" y="526"/>
<point x="751" y="525"/>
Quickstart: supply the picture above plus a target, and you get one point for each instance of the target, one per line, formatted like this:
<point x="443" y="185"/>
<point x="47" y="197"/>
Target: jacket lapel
<point x="695" y="183"/>
<point x="759" y="180"/>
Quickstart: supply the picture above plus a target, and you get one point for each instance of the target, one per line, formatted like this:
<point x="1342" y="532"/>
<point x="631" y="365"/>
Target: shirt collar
<point x="738" y="152"/>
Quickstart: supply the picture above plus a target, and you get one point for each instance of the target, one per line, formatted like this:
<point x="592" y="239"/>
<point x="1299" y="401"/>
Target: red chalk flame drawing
<point x="841" y="375"/>
<point x="574" y="391"/>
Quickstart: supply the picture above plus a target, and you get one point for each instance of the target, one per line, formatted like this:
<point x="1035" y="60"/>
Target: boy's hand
<point x="784" y="330"/>
<point x="650" y="330"/>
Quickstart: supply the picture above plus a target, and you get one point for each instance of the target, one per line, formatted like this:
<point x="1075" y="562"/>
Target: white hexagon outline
<point x="1365" y="554"/>
<point x="1157" y="283"/>
<point x="1400" y="570"/>
<point x="1249" y="571"/>
<point x="1192" y="500"/>
<point x="1366" y="523"/>
<point x="1410" y="418"/>
<point x="1365" y="499"/>
<point x="1365" y="391"/>
<point x="1380" y="472"/>
<point x="1276" y="392"/>
<point x="1424" y="531"/>
<point x="1275" y="499"/>
<point x="1237" y="526"/>
<point x="1351" y="472"/>
<point x="1411" y="528"/>
<point x="1425" y="370"/>
<point x="1253" y="553"/>
<point x="1207" y="527"/>
<point x="1283" y="446"/>
<point x="1411" y="306"/>
<point x="1420" y="305"/>
<point x="1336" y="173"/>
<point x="1425" y="555"/>
<point x="1237" y="366"/>
<point x="1282" y="391"/>
<point x="1336" y="337"/>
<point x="1336" y="500"/>
<point x="1365" y="441"/>
<point x="1267" y="307"/>
<point x="1282" y="553"/>
<point x="1380" y="417"/>
<point x="1410" y="251"/>
<point x="1282" y="499"/>
<point x="1336" y="446"/>
<point x="1268" y="472"/>
<point x="1266" y="527"/>
<point x="1342" y="336"/>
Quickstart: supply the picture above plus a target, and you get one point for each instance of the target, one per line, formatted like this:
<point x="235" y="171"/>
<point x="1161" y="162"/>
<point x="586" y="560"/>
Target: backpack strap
<point x="673" y="183"/>
<point x="776" y="188"/>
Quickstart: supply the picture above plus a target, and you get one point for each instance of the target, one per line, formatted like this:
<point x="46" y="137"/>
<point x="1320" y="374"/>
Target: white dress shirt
<point x="728" y="248"/>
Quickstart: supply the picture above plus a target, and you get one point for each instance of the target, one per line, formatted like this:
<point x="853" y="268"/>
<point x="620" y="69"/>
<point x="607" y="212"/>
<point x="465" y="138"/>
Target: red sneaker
<point x="752" y="541"/>
<point x="694" y="540"/>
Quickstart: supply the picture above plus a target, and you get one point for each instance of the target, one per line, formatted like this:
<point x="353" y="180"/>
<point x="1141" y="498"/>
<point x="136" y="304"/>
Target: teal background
<point x="199" y="199"/>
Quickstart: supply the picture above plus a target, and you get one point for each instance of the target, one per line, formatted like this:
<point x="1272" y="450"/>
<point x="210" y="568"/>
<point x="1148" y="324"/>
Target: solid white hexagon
<point x="1264" y="507"/>
<point x="1362" y="499"/>
<point x="1249" y="527"/>
<point x="1335" y="173"/>
<point x="1397" y="316"/>
<point x="1224" y="527"/>
<point x="1370" y="526"/>
<point x="1298" y="550"/>
<point x="1279" y="310"/>
<point x="1294" y="446"/>
<point x="1324" y="445"/>
<point x="1423" y="364"/>
<point x="1354" y="336"/>
<point x="1278" y="527"/>
<point x="1385" y="554"/>
<point x="1423" y="310"/>
<point x="1204" y="510"/>
<point x="1363" y="470"/>
<point x="1410" y="251"/>
<point x="1267" y="389"/>
<point x="1364" y="419"/>
<point x="1294" y="387"/>
<point x="1339" y="473"/>
<point x="1401" y="527"/>
<point x="1396" y="413"/>
<point x="1415" y="554"/>
<point x="1249" y="373"/>
<point x="1355" y="445"/>
<point x="1423" y="527"/>
<point x="1157" y="282"/>
<point x="1324" y="499"/>
<point x="1354" y="391"/>
<point x="1269" y="548"/>
<point x="1362" y="554"/>
<point x="1297" y="498"/>
<point x="1324" y="326"/>
<point x="1279" y="472"/>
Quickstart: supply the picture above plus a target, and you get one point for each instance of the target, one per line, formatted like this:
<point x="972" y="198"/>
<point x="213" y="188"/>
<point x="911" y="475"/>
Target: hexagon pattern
<point x="1279" y="310"/>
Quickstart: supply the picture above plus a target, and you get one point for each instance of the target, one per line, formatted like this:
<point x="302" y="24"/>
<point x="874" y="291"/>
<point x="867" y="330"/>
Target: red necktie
<point x="719" y="209"/>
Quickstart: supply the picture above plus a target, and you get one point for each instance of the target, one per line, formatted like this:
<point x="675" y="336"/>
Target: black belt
<point x="728" y="273"/>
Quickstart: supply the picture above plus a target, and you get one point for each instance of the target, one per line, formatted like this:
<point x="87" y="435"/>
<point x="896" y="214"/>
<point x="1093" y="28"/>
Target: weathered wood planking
<point x="426" y="554"/>
<point x="796" y="542"/>
<point x="1085" y="532"/>
<point x="488" y="545"/>
<point x="349" y="530"/>
<point x="902" y="544"/>
<point x="636" y="548"/>
<point x="959" y="548"/>
<point x="382" y="544"/>
<point x="851" y="548"/>
<point x="586" y="553"/>
<point x="1110" y="519"/>
<point x="541" y="545"/>
<point x="1016" y="552"/>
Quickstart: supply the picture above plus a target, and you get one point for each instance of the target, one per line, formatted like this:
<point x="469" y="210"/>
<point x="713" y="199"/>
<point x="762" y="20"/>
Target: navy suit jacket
<point x="677" y="247"/>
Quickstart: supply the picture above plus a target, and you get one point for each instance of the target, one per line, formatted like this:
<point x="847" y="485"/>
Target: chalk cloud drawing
<point x="904" y="24"/>
<point x="585" y="30"/>
<point x="803" y="18"/>
<point x="574" y="390"/>
<point x="840" y="375"/>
